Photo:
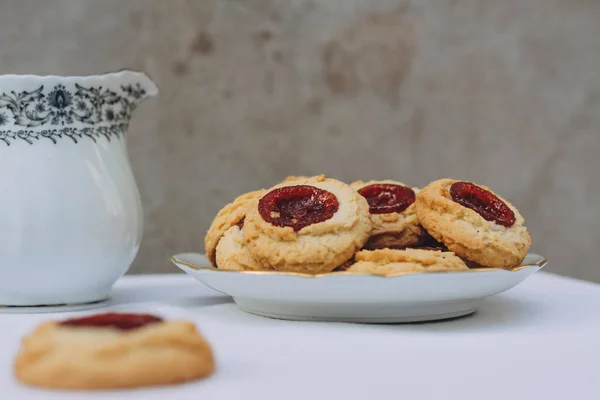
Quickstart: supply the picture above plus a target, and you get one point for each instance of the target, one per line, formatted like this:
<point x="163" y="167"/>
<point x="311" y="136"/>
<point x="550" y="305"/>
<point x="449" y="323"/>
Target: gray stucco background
<point x="505" y="93"/>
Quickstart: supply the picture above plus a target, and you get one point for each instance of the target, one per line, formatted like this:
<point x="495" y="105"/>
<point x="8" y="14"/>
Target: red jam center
<point x="385" y="198"/>
<point x="297" y="206"/>
<point x="484" y="203"/>
<point x="120" y="321"/>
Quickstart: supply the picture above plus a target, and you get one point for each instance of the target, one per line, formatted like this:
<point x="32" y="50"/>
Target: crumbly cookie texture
<point x="233" y="255"/>
<point x="227" y="217"/>
<point x="468" y="234"/>
<point x="393" y="230"/>
<point x="62" y="357"/>
<point x="344" y="266"/>
<point x="316" y="248"/>
<point x="391" y="262"/>
<point x="292" y="178"/>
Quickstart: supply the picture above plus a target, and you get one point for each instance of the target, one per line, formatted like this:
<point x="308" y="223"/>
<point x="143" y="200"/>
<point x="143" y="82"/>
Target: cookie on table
<point x="111" y="351"/>
<point x="310" y="226"/>
<point x="227" y="217"/>
<point x="393" y="214"/>
<point x="395" y="261"/>
<point x="473" y="222"/>
<point x="233" y="255"/>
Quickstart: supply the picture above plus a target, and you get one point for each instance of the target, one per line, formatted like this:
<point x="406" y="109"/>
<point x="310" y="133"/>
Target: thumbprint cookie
<point x="473" y="222"/>
<point x="113" y="350"/>
<point x="310" y="226"/>
<point x="227" y="217"/>
<point x="393" y="261"/>
<point x="233" y="255"/>
<point x="393" y="214"/>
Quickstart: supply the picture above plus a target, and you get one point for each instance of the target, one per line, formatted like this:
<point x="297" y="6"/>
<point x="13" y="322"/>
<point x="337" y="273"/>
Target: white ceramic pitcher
<point x="70" y="212"/>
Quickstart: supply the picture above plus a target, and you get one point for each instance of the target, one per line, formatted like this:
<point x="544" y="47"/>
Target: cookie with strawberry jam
<point x="473" y="222"/>
<point x="393" y="215"/>
<point x="311" y="225"/>
<point x="113" y="350"/>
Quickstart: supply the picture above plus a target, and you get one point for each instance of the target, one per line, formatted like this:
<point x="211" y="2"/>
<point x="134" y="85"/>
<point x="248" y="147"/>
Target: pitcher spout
<point x="136" y="85"/>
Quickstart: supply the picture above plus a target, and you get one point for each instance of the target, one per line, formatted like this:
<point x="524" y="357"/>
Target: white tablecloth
<point x="540" y="340"/>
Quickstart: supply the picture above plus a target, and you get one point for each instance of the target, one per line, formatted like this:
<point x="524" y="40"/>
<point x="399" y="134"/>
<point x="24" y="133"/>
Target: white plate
<point x="350" y="297"/>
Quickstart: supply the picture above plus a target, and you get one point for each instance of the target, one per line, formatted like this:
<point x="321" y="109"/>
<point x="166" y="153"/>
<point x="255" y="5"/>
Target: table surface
<point x="538" y="340"/>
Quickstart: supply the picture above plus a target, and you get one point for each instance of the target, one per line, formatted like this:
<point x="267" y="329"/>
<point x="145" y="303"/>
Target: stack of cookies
<point x="318" y="225"/>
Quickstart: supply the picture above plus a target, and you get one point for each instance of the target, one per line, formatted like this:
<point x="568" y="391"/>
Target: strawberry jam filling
<point x="122" y="321"/>
<point x="385" y="198"/>
<point x="484" y="203"/>
<point x="297" y="206"/>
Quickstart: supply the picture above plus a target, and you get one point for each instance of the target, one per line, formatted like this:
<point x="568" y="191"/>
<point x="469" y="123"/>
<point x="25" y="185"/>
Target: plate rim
<point x="176" y="259"/>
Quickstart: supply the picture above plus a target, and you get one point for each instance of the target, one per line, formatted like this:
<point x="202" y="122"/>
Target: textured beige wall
<point x="506" y="93"/>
